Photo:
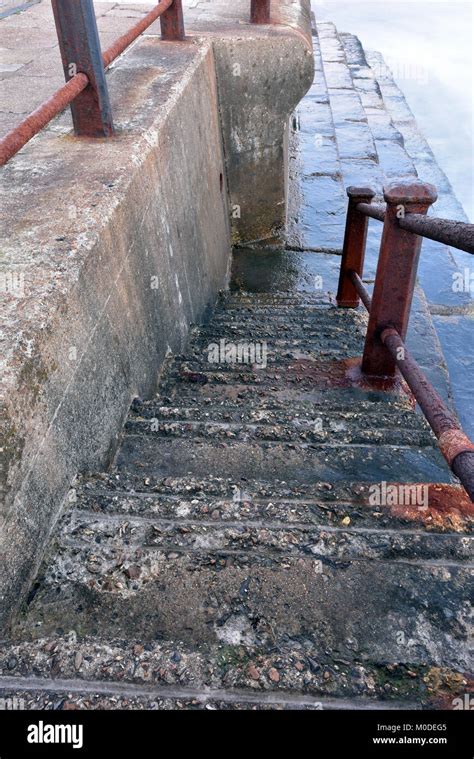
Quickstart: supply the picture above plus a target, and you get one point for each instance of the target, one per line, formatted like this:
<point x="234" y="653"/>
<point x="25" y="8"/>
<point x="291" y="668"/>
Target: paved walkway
<point x="30" y="62"/>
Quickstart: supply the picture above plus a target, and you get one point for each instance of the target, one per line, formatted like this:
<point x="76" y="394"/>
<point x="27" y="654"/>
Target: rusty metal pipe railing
<point x="88" y="121"/>
<point x="361" y="290"/>
<point x="457" y="234"/>
<point x="374" y="210"/>
<point x="174" y="26"/>
<point x="260" y="11"/>
<point x="385" y="349"/>
<point x="455" y="446"/>
<point x="17" y="138"/>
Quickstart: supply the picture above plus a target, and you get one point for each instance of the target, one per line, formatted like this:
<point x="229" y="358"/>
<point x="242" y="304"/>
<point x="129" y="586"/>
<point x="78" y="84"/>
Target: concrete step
<point x="437" y="508"/>
<point x="290" y="316"/>
<point x="64" y="672"/>
<point x="275" y="302"/>
<point x="318" y="336"/>
<point x="337" y="405"/>
<point x="273" y="412"/>
<point x="339" y="542"/>
<point x="261" y="395"/>
<point x="313" y="432"/>
<point x="214" y="357"/>
<point x="254" y="390"/>
<point x="202" y="583"/>
<point x="301" y="462"/>
<point x="229" y="350"/>
<point x="270" y="536"/>
<point x="273" y="299"/>
<point x="315" y="425"/>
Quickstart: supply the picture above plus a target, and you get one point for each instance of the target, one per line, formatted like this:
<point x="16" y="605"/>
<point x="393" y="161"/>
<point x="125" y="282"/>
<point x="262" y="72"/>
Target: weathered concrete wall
<point x="121" y="245"/>
<point x="263" y="72"/>
<point x="256" y="136"/>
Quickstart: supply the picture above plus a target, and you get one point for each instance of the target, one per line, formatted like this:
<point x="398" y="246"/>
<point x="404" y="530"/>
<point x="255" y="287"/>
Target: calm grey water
<point x="428" y="46"/>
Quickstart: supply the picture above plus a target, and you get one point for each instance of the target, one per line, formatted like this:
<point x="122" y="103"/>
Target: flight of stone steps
<point x="236" y="555"/>
<point x="234" y="558"/>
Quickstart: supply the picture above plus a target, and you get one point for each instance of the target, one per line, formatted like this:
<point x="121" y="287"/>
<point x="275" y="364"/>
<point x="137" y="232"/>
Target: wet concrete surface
<point x="283" y="270"/>
<point x="316" y="274"/>
<point x="429" y="51"/>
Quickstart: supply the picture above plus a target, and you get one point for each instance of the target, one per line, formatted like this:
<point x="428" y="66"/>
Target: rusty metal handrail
<point x="455" y="446"/>
<point x="373" y="210"/>
<point x="389" y="308"/>
<point x="456" y="234"/>
<point x="86" y="90"/>
<point x="172" y="28"/>
<point x="260" y="11"/>
<point x="80" y="27"/>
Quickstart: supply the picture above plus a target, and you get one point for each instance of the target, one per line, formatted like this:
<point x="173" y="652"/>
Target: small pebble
<point x="253" y="672"/>
<point x="78" y="660"/>
<point x="133" y="572"/>
<point x="274" y="675"/>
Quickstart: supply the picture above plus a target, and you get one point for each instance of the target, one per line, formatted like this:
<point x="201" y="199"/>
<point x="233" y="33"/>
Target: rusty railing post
<point x="353" y="251"/>
<point x="260" y="12"/>
<point x="80" y="52"/>
<point x="396" y="273"/>
<point x="172" y="22"/>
